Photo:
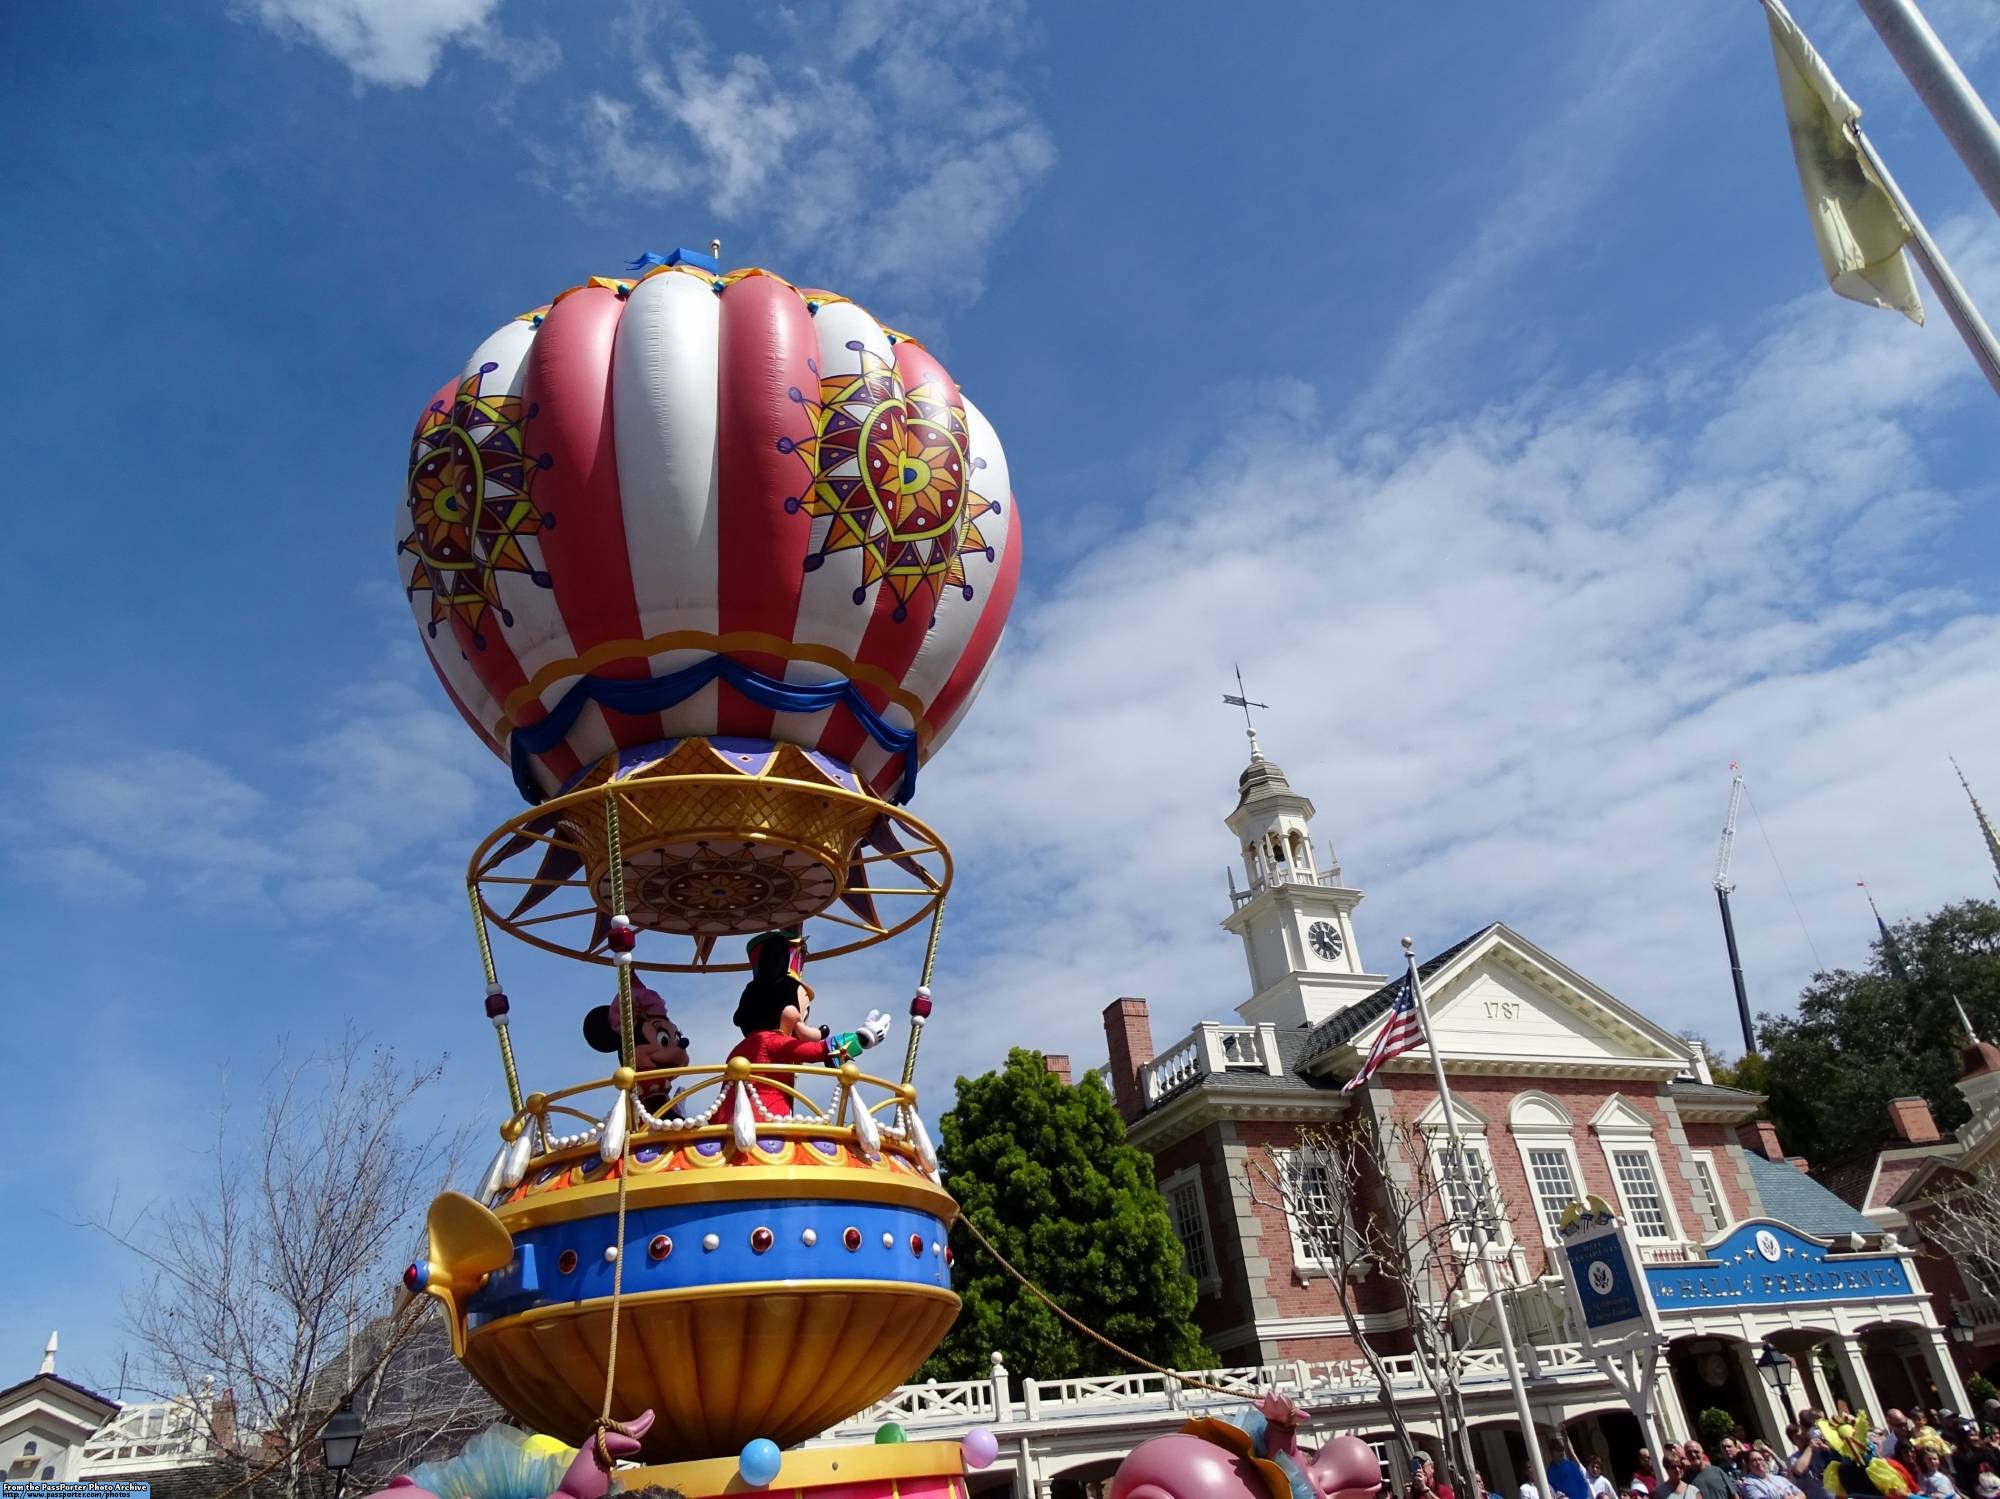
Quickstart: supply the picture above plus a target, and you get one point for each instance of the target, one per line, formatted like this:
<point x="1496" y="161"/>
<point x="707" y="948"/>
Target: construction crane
<point x="1722" y="889"/>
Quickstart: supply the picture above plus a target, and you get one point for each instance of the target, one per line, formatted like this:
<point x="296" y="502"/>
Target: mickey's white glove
<point x="874" y="1029"/>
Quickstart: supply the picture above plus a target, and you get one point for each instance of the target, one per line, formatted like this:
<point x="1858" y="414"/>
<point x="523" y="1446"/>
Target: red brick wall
<point x="1493" y="1097"/>
<point x="1230" y="1305"/>
<point x="1719" y="1140"/>
<point x="1315" y="1295"/>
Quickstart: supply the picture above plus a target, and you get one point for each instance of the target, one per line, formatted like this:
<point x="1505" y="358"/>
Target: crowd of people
<point x="1947" y="1456"/>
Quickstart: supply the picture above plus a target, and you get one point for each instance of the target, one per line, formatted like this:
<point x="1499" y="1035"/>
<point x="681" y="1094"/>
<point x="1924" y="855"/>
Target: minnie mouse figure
<point x="772" y="1014"/>
<point x="659" y="1043"/>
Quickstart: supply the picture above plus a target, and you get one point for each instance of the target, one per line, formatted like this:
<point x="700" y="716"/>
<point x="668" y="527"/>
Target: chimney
<point x="1799" y="1163"/>
<point x="1760" y="1137"/>
<point x="1128" y="1039"/>
<point x="1058" y="1067"/>
<point x="1911" y="1119"/>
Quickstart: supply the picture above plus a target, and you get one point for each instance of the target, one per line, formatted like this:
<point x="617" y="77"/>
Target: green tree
<point x="1861" y="1039"/>
<point x="1750" y="1072"/>
<point x="1045" y="1172"/>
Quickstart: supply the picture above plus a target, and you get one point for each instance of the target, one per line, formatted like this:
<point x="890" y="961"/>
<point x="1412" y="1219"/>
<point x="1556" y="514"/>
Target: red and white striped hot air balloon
<point x="695" y="503"/>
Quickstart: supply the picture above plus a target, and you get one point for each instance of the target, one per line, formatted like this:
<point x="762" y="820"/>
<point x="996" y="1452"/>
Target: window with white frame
<point x="1639" y="1187"/>
<point x="1626" y="1134"/>
<point x="1315" y="1217"/>
<point x="1552" y="1174"/>
<point x="1465" y="1177"/>
<point x="1189" y="1212"/>
<point x="1714" y="1207"/>
<point x="1545" y="1135"/>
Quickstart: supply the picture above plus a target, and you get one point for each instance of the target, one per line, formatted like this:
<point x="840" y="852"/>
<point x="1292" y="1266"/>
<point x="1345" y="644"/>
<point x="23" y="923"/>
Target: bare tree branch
<point x="272" y="1283"/>
<point x="1367" y="1199"/>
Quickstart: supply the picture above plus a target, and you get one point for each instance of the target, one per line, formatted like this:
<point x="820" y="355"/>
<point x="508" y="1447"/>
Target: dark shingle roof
<point x="69" y="1384"/>
<point x="1338" y="1030"/>
<point x="1790" y="1196"/>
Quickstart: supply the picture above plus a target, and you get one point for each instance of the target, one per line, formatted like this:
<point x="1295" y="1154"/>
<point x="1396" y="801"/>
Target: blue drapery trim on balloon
<point x="647" y="259"/>
<point x="660" y="693"/>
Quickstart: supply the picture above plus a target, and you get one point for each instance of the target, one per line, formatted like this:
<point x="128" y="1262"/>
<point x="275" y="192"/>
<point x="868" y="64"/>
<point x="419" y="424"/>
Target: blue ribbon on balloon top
<point x="661" y="693"/>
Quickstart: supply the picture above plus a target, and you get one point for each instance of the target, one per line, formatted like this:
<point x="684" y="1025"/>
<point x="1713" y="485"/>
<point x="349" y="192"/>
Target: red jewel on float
<point x="947" y="1257"/>
<point x="851" y="1238"/>
<point x="917" y="1245"/>
<point x="760" y="1239"/>
<point x="621" y="938"/>
<point x="660" y="1248"/>
<point x="566" y="1262"/>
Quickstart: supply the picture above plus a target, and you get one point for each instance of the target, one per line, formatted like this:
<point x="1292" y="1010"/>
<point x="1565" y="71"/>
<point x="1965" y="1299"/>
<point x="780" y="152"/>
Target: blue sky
<point x="1466" y="375"/>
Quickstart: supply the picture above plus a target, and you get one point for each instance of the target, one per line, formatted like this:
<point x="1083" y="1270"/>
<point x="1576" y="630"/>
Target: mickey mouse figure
<point x="658" y="1044"/>
<point x="772" y="1014"/>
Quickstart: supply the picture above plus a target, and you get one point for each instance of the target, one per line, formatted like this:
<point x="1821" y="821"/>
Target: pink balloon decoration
<point x="980" y="1447"/>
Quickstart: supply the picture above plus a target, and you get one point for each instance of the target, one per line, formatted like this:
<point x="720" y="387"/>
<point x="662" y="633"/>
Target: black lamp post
<point x="1777" y="1371"/>
<point x="339" y="1441"/>
<point x="1960" y="1329"/>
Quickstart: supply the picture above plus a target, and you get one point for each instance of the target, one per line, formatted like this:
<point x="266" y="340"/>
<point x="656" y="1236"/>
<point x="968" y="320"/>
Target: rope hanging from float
<point x="1188" y="1381"/>
<point x="920" y="1005"/>
<point x="496" y="997"/>
<point x="622" y="941"/>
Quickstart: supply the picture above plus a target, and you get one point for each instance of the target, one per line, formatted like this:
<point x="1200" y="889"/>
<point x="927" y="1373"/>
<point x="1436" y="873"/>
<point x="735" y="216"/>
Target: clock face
<point x="1325" y="939"/>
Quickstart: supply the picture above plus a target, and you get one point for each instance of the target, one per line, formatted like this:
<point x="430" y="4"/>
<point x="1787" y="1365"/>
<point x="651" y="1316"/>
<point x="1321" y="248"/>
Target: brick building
<point x="1562" y="1090"/>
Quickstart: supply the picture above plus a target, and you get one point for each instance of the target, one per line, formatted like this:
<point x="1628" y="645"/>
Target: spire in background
<point x="1971" y="1036"/>
<point x="1890" y="950"/>
<point x="1242" y="700"/>
<point x="49" y="1357"/>
<point x="1986" y="827"/>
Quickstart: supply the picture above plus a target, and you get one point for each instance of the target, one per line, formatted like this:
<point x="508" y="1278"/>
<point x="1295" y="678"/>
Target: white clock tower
<point x="1296" y="920"/>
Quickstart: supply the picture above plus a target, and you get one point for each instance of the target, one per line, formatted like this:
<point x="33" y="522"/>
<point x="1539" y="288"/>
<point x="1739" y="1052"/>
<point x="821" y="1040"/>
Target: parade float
<point x="715" y="563"/>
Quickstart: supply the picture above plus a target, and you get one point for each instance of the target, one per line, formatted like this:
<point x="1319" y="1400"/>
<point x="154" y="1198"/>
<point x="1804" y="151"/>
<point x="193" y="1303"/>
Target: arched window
<point x="29" y="1449"/>
<point x="1545" y="1135"/>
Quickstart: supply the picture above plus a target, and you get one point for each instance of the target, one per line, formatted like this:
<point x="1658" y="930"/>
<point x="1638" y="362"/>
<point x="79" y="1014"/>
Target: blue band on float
<point x="788" y="1260"/>
<point x="658" y="694"/>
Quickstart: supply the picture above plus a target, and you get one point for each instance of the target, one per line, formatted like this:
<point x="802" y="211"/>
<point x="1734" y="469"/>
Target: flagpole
<point x="1958" y="306"/>
<point x="1530" y="1437"/>
<point x="1942" y="85"/>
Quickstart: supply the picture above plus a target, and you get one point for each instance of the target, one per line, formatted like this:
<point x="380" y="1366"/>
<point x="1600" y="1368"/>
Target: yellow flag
<point x="1855" y="223"/>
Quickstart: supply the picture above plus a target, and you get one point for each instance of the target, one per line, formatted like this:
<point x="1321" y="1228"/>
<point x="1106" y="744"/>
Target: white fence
<point x="993" y="1401"/>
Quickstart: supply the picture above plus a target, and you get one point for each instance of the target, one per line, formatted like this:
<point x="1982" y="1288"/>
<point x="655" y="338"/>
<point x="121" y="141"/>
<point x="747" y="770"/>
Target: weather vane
<point x="1243" y="701"/>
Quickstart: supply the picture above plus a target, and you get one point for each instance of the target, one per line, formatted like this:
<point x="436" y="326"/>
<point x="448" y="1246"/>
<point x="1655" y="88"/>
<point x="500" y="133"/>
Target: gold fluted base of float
<point x="720" y="842"/>
<point x="760" y="846"/>
<point x="719" y="1365"/>
<point x="895" y="1470"/>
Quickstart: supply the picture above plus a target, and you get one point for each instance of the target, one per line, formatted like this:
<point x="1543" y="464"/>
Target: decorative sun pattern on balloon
<point x="470" y="508"/>
<point x="889" y="466"/>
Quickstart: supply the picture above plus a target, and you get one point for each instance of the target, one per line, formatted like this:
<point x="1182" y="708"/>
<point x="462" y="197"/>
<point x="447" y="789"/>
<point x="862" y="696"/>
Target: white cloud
<point x="1510" y="656"/>
<point x="377" y="811"/>
<point x="841" y="125"/>
<point x="1626" y="59"/>
<point x="399" y="43"/>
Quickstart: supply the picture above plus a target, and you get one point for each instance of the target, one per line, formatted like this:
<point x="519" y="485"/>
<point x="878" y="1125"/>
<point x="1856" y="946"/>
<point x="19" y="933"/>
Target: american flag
<point x="1402" y="1033"/>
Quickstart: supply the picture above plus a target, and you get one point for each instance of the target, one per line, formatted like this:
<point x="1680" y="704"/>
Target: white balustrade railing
<point x="957" y="1404"/>
<point x="1172" y="1072"/>
<point x="1211" y="1048"/>
<point x="1284" y="874"/>
<point x="1668" y="1254"/>
<point x="161" y="1434"/>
